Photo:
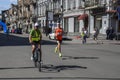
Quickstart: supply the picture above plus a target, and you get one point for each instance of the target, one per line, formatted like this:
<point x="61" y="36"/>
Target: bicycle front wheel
<point x="35" y="58"/>
<point x="39" y="66"/>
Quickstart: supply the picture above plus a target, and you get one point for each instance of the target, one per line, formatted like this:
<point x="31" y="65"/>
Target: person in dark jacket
<point x="107" y="33"/>
<point x="111" y="33"/>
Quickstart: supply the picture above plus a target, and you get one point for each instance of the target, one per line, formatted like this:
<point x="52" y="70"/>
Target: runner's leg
<point x="33" y="50"/>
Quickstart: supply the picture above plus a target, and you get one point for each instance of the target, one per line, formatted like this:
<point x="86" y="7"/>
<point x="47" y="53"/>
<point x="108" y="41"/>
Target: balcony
<point x="91" y="4"/>
<point x="115" y="2"/>
<point x="57" y="11"/>
<point x="27" y="2"/>
<point x="33" y="1"/>
<point x="20" y="2"/>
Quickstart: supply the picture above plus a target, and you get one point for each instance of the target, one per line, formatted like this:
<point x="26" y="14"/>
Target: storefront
<point x="74" y="22"/>
<point x="99" y="19"/>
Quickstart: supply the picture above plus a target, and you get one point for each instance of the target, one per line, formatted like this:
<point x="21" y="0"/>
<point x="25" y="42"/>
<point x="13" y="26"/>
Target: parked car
<point x="52" y="36"/>
<point x="18" y="31"/>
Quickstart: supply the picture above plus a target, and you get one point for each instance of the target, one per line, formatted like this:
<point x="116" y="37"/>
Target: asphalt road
<point x="79" y="62"/>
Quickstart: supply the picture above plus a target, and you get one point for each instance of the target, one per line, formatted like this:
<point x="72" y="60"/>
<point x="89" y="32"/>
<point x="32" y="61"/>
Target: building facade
<point x="102" y="15"/>
<point x="73" y="9"/>
<point x="49" y="13"/>
<point x="65" y="12"/>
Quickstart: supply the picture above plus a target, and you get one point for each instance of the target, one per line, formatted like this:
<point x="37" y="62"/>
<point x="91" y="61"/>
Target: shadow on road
<point x="48" y="68"/>
<point x="57" y="78"/>
<point x="58" y="68"/>
<point x="71" y="57"/>
<point x="13" y="40"/>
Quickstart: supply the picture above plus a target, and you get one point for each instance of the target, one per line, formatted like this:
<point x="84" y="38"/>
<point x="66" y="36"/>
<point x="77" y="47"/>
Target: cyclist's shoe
<point x="56" y="49"/>
<point x="60" y="55"/>
<point x="41" y="62"/>
<point x="32" y="58"/>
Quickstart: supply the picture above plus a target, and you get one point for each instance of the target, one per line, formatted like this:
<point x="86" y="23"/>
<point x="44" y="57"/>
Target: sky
<point x="6" y="4"/>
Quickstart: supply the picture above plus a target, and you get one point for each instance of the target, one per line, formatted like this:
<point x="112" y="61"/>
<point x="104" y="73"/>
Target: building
<point x="49" y="13"/>
<point x="13" y="16"/>
<point x="26" y="14"/>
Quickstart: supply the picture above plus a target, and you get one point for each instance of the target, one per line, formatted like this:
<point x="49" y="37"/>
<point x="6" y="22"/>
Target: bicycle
<point x="37" y="58"/>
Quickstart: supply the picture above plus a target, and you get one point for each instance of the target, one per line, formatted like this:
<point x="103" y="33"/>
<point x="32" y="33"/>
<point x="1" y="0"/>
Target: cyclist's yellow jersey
<point x="36" y="34"/>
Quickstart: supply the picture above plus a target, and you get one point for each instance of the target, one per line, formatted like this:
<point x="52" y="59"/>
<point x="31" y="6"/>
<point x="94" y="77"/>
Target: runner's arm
<point x="30" y="38"/>
<point x="40" y="35"/>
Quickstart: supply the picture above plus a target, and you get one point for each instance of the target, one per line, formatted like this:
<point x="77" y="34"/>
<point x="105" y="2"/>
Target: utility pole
<point x="46" y="27"/>
<point x="37" y="3"/>
<point x="62" y="12"/>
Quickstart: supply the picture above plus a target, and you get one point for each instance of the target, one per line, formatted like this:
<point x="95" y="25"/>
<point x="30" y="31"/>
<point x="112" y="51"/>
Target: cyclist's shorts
<point x="59" y="41"/>
<point x="35" y="42"/>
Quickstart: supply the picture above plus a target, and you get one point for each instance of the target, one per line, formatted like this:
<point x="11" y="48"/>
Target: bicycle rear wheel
<point x="39" y="66"/>
<point x="35" y="63"/>
<point x="39" y="60"/>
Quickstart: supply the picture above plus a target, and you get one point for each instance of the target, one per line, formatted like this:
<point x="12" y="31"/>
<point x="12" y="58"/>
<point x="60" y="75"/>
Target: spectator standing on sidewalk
<point x="95" y="34"/>
<point x="111" y="34"/>
<point x="107" y="33"/>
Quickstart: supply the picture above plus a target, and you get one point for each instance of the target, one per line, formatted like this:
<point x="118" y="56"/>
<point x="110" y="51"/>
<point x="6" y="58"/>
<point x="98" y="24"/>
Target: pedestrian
<point x="111" y="34"/>
<point x="84" y="36"/>
<point x="58" y="35"/>
<point x="107" y="33"/>
<point x="95" y="34"/>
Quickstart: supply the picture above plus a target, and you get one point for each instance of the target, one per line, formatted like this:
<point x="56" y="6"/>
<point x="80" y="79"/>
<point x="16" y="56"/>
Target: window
<point x="39" y="11"/>
<point x="50" y="6"/>
<point x="102" y="2"/>
<point x="66" y="24"/>
<point x="80" y="4"/>
<point x="76" y="24"/>
<point x="28" y="7"/>
<point x="69" y="4"/>
<point x="74" y="4"/>
<point x="64" y="4"/>
<point x="89" y="3"/>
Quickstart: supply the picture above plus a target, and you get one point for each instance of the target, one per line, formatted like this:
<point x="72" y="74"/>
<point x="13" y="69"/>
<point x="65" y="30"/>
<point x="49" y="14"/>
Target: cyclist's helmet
<point x="36" y="25"/>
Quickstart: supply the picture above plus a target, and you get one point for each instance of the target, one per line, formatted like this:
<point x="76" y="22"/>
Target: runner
<point x="58" y="35"/>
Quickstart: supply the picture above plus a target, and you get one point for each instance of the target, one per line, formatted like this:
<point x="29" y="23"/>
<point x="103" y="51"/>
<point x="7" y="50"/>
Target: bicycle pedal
<point x="41" y="62"/>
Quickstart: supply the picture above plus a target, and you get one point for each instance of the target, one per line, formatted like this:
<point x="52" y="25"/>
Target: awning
<point x="111" y="11"/>
<point x="82" y="17"/>
<point x="92" y="7"/>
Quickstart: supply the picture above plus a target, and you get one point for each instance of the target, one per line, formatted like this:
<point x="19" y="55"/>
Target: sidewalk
<point x="101" y="40"/>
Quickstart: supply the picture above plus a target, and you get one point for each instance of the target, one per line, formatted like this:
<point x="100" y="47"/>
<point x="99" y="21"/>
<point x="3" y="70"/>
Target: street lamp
<point x="46" y="15"/>
<point x="62" y="12"/>
<point x="37" y="9"/>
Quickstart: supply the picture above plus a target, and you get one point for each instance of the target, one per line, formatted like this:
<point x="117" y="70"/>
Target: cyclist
<point x="58" y="35"/>
<point x="35" y="38"/>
